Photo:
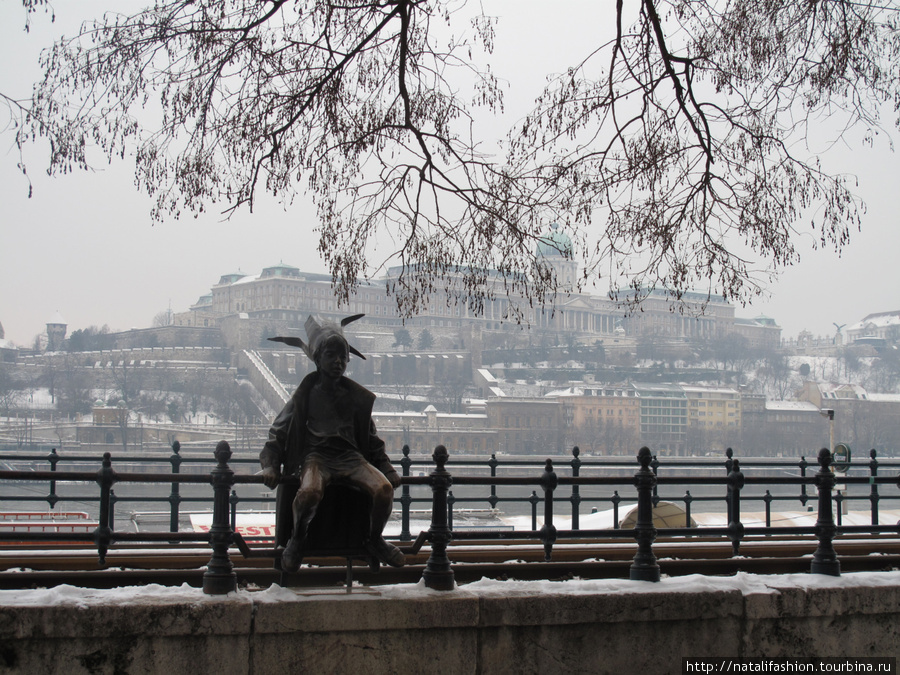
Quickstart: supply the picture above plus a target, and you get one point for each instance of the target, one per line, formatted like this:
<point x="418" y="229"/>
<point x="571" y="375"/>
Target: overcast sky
<point x="84" y="244"/>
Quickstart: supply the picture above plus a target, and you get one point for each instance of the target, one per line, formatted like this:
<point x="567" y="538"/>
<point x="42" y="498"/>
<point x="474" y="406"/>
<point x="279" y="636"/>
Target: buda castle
<point x="283" y="296"/>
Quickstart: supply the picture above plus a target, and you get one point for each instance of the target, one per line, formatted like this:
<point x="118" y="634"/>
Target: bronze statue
<point x="325" y="435"/>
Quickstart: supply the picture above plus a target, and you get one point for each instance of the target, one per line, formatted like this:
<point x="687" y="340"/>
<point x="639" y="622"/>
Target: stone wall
<point x="607" y="626"/>
<point x="168" y="336"/>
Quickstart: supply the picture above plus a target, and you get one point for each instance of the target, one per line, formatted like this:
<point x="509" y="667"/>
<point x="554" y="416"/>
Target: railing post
<point x="405" y="497"/>
<point x="825" y="558"/>
<point x="112" y="509"/>
<point x="534" y="500"/>
<point x="493" y="500"/>
<point x="438" y="573"/>
<point x="687" y="508"/>
<point x="644" y="567"/>
<point x="729" y="463"/>
<point x="735" y="526"/>
<point x="804" y="497"/>
<point x="549" y="481"/>
<point x="103" y="534"/>
<point x="219" y="577"/>
<point x="175" y="496"/>
<point x="233" y="501"/>
<point x="654" y="466"/>
<point x="873" y="491"/>
<point x="451" y="500"/>
<point x="53" y="458"/>
<point x="616" y="500"/>
<point x="576" y="493"/>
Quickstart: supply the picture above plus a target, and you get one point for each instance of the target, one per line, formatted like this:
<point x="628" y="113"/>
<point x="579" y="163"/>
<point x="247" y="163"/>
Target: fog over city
<point x="84" y="245"/>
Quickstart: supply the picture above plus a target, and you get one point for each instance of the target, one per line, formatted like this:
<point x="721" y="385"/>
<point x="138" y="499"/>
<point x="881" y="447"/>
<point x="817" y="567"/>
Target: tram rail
<point x="23" y="567"/>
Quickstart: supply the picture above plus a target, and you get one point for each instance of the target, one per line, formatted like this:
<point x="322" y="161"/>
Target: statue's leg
<point x="371" y="481"/>
<point x="382" y="504"/>
<point x="312" y="489"/>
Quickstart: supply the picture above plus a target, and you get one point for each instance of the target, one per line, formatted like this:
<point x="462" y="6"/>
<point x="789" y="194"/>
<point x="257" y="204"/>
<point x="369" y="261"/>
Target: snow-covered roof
<point x="411" y="414"/>
<point x="839" y="390"/>
<point x="568" y="391"/>
<point x="246" y="280"/>
<point x="885" y="398"/>
<point x="488" y="377"/>
<point x="57" y="320"/>
<point x="792" y="406"/>
<point x="693" y="389"/>
<point x="761" y="320"/>
<point x="879" y="320"/>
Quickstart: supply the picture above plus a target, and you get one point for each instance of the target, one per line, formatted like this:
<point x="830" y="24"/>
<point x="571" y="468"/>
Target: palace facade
<point x="283" y="295"/>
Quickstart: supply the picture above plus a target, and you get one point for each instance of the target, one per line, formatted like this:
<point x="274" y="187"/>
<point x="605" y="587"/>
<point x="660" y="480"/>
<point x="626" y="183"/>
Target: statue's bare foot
<point x="385" y="552"/>
<point x="291" y="556"/>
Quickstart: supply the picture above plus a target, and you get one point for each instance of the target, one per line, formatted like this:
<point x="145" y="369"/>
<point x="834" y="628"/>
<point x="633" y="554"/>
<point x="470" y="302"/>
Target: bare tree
<point x="731" y="354"/>
<point x="74" y="387"/>
<point x="163" y="318"/>
<point x="775" y="374"/>
<point x="11" y="389"/>
<point x="886" y="370"/>
<point x="196" y="386"/>
<point x="450" y="393"/>
<point x="673" y="151"/>
<point x="125" y="378"/>
<point x="588" y="435"/>
<point x="233" y="401"/>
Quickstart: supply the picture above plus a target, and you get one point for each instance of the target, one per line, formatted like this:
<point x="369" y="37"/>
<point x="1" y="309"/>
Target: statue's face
<point x="332" y="358"/>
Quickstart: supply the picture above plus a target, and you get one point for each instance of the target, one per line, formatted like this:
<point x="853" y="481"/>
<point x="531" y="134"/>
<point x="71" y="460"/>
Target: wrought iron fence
<point x="648" y="483"/>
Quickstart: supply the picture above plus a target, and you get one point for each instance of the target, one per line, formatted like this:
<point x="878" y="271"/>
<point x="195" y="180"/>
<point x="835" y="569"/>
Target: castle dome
<point x="556" y="244"/>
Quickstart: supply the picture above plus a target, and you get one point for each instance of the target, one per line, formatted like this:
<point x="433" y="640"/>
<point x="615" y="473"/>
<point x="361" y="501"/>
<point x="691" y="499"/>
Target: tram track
<point x="512" y="559"/>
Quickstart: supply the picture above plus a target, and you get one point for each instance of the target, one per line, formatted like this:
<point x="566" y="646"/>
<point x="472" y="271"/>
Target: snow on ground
<point x="748" y="584"/>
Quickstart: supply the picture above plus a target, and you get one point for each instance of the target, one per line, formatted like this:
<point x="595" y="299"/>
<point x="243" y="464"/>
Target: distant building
<point x="664" y="417"/>
<point x="793" y="428"/>
<point x="7" y="351"/>
<point x="526" y="425"/>
<point x="56" y="333"/>
<point x="714" y="408"/>
<point x="422" y="431"/>
<point x="283" y="295"/>
<point x="201" y="314"/>
<point x="761" y="332"/>
<point x="601" y="419"/>
<point x="671" y="419"/>
<point x="864" y="421"/>
<point x="876" y="329"/>
<point x="779" y="428"/>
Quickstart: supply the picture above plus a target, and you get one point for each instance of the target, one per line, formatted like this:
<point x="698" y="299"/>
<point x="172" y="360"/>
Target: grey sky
<point x="84" y="244"/>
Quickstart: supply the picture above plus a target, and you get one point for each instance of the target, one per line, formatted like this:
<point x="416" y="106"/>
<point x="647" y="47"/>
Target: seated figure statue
<point x="325" y="435"/>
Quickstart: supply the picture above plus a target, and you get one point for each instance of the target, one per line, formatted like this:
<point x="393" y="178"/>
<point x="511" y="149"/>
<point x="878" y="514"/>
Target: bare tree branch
<point x="674" y="152"/>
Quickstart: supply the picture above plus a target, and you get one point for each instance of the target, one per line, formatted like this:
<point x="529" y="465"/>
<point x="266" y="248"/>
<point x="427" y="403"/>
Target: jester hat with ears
<point x="318" y="334"/>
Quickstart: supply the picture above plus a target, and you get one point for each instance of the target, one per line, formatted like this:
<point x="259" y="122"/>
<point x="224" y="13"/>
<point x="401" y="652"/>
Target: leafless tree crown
<point x="673" y="154"/>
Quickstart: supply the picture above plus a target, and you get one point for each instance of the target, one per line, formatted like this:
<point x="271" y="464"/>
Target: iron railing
<point x="649" y="483"/>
